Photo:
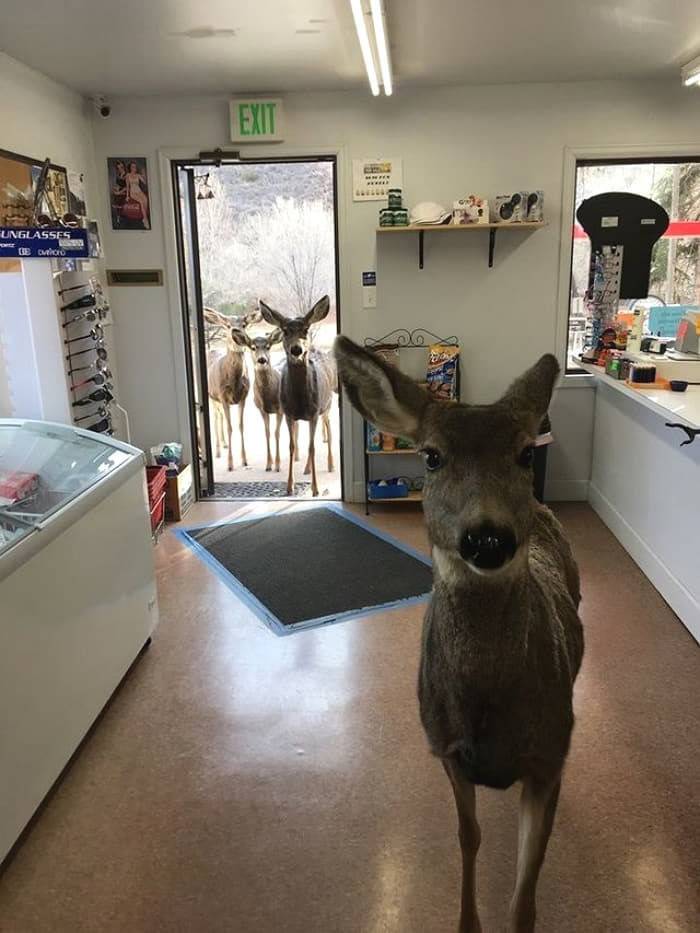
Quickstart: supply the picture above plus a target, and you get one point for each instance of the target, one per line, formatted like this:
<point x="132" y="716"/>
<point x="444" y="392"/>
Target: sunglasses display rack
<point x="84" y="320"/>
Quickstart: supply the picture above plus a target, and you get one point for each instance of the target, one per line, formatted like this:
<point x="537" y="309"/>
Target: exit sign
<point x="257" y="119"/>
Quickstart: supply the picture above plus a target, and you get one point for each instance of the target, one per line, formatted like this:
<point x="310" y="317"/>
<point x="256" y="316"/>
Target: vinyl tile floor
<point x="253" y="784"/>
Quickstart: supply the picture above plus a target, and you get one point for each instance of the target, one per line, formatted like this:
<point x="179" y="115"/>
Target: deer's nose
<point x="296" y="350"/>
<point x="488" y="547"/>
<point x="262" y="360"/>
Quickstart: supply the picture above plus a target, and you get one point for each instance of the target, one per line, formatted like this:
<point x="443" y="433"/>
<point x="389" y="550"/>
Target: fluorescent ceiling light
<point x="690" y="73"/>
<point x="377" y="8"/>
<point x="365" y="47"/>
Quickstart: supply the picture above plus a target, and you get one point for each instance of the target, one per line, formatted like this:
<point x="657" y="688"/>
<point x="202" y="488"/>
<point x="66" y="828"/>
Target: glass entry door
<point x="193" y="319"/>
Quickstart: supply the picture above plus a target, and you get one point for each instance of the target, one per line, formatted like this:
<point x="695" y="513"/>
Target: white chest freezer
<point x="77" y="597"/>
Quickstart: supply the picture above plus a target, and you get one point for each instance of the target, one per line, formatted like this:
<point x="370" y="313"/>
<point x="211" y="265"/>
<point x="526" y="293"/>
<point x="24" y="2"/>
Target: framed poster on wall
<point x="129" y="195"/>
<point x="372" y="178"/>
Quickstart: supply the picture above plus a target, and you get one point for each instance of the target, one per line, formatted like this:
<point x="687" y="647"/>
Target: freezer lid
<point x="44" y="466"/>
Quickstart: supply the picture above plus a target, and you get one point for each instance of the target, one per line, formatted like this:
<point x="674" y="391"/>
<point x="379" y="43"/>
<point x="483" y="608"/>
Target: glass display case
<point x="42" y="468"/>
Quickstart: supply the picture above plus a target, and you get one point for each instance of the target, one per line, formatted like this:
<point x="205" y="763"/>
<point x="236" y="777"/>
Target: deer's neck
<point x="484" y="620"/>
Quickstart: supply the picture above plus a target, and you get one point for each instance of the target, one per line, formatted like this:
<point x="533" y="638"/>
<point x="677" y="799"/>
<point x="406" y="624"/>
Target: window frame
<point x="601" y="155"/>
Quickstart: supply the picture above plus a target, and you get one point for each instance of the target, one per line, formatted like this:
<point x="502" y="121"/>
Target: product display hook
<point x="691" y="432"/>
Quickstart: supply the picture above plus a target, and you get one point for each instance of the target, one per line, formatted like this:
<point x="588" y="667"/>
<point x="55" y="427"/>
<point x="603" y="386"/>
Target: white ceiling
<point x="143" y="47"/>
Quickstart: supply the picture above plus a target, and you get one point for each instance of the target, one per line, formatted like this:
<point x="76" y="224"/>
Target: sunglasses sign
<point x="44" y="243"/>
<point x="257" y="120"/>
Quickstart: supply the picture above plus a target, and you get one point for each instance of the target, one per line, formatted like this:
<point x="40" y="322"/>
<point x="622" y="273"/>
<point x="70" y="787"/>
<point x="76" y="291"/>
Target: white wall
<point x="39" y="118"/>
<point x="453" y="141"/>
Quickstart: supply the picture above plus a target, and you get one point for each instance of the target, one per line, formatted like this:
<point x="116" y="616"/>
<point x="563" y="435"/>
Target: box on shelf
<point x="179" y="494"/>
<point x="470" y="210"/>
<point x="387" y="489"/>
<point x="510" y="208"/>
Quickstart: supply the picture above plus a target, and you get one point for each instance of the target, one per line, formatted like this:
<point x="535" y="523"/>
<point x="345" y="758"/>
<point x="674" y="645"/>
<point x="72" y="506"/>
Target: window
<point x="675" y="260"/>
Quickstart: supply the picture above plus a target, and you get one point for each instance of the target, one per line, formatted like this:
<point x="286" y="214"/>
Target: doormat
<point x="312" y="566"/>
<point x="261" y="490"/>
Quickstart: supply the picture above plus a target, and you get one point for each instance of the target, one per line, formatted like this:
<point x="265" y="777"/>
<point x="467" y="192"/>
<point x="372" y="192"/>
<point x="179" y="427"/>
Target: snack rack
<point x="410" y="340"/>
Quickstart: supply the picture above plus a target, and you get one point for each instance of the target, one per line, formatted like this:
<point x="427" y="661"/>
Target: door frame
<point x="169" y="159"/>
<point x="186" y="316"/>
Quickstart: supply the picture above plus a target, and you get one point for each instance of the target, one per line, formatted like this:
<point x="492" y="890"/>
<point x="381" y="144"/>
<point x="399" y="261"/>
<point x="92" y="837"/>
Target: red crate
<point x="156" y="478"/>
<point x="158" y="515"/>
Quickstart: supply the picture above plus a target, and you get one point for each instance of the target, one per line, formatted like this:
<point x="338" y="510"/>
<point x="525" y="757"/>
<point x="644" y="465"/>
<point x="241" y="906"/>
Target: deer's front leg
<point x="297" y="455"/>
<point x="469" y="841"/>
<point x="277" y="442"/>
<point x="217" y="430"/>
<point x="241" y="412"/>
<point x="329" y="440"/>
<point x="291" y="427"/>
<point x="312" y="454"/>
<point x="538" y="805"/>
<point x="266" y="421"/>
<point x="229" y="430"/>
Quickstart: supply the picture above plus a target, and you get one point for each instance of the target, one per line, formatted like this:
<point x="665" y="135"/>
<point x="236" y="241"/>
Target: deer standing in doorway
<point x="228" y="382"/>
<point x="266" y="385"/>
<point x="502" y="640"/>
<point x="308" y="380"/>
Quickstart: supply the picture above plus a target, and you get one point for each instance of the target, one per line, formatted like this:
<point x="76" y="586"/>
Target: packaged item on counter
<point x="400" y="218"/>
<point x="388" y="442"/>
<point x="642" y="372"/>
<point x="374" y="437"/>
<point x="470" y="210"/>
<point x="510" y="208"/>
<point x="534" y="207"/>
<point x="443" y="361"/>
<point x="612" y="365"/>
<point x="403" y="443"/>
<point x="386" y="217"/>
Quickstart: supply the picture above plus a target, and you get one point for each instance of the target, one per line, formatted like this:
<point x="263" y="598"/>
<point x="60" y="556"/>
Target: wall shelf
<point x="385" y="453"/>
<point x="422" y="229"/>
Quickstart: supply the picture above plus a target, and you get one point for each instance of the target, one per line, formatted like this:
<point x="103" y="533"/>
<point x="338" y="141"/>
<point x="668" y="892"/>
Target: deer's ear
<point x="275" y="336"/>
<point x="270" y="315"/>
<point x="318" y="312"/>
<point x="529" y="396"/>
<point x="240" y="337"/>
<point x="380" y="392"/>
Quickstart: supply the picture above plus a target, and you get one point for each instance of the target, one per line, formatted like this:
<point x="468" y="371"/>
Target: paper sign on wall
<point x="372" y="178"/>
<point x="257" y="119"/>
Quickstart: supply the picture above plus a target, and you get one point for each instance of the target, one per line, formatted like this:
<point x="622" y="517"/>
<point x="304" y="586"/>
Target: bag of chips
<point x="443" y="362"/>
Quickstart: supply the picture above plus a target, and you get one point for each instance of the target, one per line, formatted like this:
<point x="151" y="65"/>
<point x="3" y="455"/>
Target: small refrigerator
<point x="77" y="598"/>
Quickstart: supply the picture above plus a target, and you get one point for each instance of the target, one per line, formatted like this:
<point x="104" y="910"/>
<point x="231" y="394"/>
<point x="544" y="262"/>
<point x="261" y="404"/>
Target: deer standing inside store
<point x="502" y="640"/>
<point x="308" y="380"/>
<point x="228" y="382"/>
<point x="266" y="384"/>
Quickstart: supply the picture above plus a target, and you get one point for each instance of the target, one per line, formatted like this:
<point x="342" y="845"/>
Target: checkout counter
<point x="645" y="486"/>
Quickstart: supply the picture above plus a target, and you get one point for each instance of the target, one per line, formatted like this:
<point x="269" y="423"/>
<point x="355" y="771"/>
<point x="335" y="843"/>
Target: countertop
<point x="683" y="407"/>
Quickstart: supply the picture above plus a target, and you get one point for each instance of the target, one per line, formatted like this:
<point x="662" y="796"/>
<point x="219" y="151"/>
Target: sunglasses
<point x="86" y="301"/>
<point x="95" y="286"/>
<point x="99" y="395"/>
<point x="101" y="427"/>
<point x="99" y="379"/>
<point x="68" y="220"/>
<point x="99" y="365"/>
<point x="100" y="352"/>
<point x="93" y="314"/>
<point x="97" y="333"/>
<point x="101" y="412"/>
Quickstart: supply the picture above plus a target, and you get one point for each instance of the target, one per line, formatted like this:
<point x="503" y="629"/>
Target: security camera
<point x="102" y="107"/>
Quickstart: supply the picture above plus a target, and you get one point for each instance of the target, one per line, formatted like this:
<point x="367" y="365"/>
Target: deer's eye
<point x="433" y="460"/>
<point x="526" y="456"/>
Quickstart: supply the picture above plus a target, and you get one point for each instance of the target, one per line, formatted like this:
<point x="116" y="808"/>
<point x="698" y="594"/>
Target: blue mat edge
<point x="258" y="608"/>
